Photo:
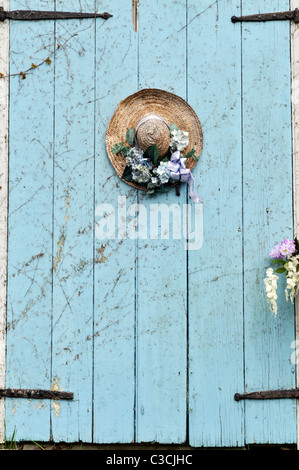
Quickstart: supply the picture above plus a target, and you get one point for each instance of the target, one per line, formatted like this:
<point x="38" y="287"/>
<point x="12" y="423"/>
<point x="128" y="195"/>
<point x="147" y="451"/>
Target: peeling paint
<point x="40" y="255"/>
<point x="56" y="407"/>
<point x="67" y="206"/>
<point x="62" y="236"/>
<point x="103" y="258"/>
<point x="56" y="404"/>
<point x="58" y="256"/>
<point x="135" y="15"/>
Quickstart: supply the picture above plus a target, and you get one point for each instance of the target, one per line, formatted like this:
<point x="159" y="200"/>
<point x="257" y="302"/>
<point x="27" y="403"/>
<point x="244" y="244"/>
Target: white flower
<point x="179" y="140"/>
<point x="154" y="183"/>
<point x="163" y="172"/>
<point x="292" y="266"/>
<point x="141" y="174"/>
<point x="270" y="282"/>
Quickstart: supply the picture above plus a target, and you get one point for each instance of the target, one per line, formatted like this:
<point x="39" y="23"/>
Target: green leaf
<point x="118" y="147"/>
<point x="276" y="261"/>
<point x="121" y="148"/>
<point x="190" y="154"/>
<point x="173" y="127"/>
<point x="130" y="136"/>
<point x="280" y="270"/>
<point x="127" y="174"/>
<point x="152" y="153"/>
<point x="125" y="151"/>
<point x="196" y="157"/>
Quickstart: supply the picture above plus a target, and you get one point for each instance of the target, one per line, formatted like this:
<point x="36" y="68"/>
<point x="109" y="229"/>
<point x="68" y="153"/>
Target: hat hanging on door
<point x="154" y="140"/>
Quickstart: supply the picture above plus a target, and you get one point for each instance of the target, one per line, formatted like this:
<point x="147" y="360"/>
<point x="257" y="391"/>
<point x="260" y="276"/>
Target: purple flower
<point x="283" y="250"/>
<point x="287" y="247"/>
<point x="275" y="253"/>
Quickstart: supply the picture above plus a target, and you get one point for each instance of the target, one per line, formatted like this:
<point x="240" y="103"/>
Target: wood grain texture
<point x="4" y="100"/>
<point x="161" y="276"/>
<point x="215" y="271"/>
<point x="73" y="213"/>
<point x="114" y="257"/>
<point x="268" y="211"/>
<point x="29" y="295"/>
<point x="295" y="131"/>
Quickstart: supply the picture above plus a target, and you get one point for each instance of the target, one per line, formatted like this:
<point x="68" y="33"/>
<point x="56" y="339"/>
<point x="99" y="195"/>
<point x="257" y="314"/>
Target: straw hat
<point x="150" y="112"/>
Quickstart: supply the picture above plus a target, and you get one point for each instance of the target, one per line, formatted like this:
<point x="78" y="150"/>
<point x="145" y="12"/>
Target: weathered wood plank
<point x="115" y="254"/>
<point x="161" y="287"/>
<point x="295" y="120"/>
<point x="73" y="213"/>
<point x="30" y="224"/>
<point x="4" y="100"/>
<point x="267" y="172"/>
<point x="215" y="271"/>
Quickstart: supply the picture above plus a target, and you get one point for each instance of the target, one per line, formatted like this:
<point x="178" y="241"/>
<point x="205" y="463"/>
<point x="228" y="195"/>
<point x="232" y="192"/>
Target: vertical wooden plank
<point x="115" y="254"/>
<point x="73" y="222"/>
<point x="30" y="223"/>
<point x="267" y="219"/>
<point x="4" y="100"/>
<point x="295" y="111"/>
<point x="295" y="117"/>
<point x="161" y="276"/>
<point x="215" y="271"/>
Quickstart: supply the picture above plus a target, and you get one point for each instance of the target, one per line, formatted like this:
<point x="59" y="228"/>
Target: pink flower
<point x="283" y="250"/>
<point x="275" y="253"/>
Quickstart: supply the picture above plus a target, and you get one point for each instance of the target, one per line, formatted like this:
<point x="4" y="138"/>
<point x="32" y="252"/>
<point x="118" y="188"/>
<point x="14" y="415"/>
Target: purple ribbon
<point x="179" y="172"/>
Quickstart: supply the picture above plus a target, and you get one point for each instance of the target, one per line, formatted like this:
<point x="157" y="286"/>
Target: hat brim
<point x="172" y="108"/>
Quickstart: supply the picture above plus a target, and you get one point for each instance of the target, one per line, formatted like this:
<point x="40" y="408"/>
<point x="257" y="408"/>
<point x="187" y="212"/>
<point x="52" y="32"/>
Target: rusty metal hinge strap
<point x="268" y="394"/>
<point x="36" y="394"/>
<point x="276" y="16"/>
<point x="29" y="15"/>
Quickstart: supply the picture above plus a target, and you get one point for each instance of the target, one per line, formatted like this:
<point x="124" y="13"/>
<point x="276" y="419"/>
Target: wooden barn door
<point x="152" y="339"/>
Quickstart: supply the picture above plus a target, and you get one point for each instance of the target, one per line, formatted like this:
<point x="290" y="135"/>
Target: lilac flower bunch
<point x="283" y="250"/>
<point x="286" y="253"/>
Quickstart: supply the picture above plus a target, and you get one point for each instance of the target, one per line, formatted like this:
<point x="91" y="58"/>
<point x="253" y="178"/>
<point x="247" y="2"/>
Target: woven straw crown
<point x="153" y="130"/>
<point x="150" y="112"/>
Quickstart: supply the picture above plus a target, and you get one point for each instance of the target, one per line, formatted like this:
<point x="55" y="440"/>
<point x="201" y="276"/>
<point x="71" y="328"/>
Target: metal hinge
<point x="277" y="16"/>
<point x="268" y="394"/>
<point x="36" y="394"/>
<point x="30" y="15"/>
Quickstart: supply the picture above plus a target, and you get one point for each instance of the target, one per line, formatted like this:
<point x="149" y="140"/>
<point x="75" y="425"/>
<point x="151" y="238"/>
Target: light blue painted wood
<point x="161" y="277"/>
<point x="30" y="226"/>
<point x="267" y="220"/>
<point x="73" y="214"/>
<point x="215" y="271"/>
<point x="115" y="258"/>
